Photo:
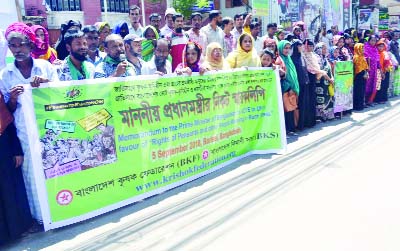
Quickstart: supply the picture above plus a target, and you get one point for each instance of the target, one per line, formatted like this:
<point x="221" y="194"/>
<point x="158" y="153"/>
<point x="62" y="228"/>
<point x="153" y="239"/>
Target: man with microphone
<point x="115" y="63"/>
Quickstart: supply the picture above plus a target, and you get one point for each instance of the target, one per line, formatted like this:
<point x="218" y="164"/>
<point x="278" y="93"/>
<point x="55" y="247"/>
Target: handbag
<point x="289" y="101"/>
<point x="5" y="116"/>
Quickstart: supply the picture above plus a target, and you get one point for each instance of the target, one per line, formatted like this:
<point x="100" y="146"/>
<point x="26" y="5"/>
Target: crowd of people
<point x="306" y="67"/>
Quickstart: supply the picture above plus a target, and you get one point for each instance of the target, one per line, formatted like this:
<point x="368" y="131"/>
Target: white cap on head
<point x="170" y="11"/>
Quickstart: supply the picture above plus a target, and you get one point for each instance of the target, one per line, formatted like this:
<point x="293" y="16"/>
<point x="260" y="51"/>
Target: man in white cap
<point x="133" y="49"/>
<point x="169" y="22"/>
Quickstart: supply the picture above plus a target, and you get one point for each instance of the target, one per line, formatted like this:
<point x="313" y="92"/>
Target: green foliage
<point x="185" y="6"/>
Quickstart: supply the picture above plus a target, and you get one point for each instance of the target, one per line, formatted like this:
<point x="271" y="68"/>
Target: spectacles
<point x="15" y="46"/>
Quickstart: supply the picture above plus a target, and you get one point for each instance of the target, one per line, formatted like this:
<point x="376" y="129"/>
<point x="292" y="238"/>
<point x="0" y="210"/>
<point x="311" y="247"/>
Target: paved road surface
<point x="336" y="189"/>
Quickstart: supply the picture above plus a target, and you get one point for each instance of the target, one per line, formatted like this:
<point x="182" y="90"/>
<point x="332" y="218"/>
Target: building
<point x="52" y="13"/>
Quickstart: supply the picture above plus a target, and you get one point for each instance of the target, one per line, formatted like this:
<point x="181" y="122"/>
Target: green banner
<point x="261" y="8"/>
<point x="343" y="86"/>
<point x="107" y="143"/>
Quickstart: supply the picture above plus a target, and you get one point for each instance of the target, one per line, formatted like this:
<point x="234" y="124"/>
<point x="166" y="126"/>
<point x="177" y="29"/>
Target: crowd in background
<point x="306" y="67"/>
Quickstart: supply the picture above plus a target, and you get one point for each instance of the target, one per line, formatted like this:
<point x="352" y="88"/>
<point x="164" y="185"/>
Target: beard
<point x="135" y="54"/>
<point x="78" y="56"/>
<point x="160" y="61"/>
<point x="178" y="30"/>
<point x="219" y="23"/>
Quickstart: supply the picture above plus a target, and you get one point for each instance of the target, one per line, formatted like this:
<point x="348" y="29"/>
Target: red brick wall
<point x="92" y="10"/>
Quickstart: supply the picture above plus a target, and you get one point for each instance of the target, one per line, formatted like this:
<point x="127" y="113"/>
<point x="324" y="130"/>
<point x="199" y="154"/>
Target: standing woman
<point x="290" y="84"/>
<point x="386" y="66"/>
<point x="15" y="216"/>
<point x="343" y="52"/>
<point x="314" y="74"/>
<point x="245" y="54"/>
<point x="306" y="111"/>
<point x="372" y="56"/>
<point x="42" y="48"/>
<point x="324" y="99"/>
<point x="360" y="77"/>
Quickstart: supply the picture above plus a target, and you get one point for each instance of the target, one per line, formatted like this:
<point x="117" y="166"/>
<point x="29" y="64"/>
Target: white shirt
<point x="165" y="31"/>
<point x="10" y="77"/>
<point x="212" y="35"/>
<point x="149" y="68"/>
<point x="138" y="32"/>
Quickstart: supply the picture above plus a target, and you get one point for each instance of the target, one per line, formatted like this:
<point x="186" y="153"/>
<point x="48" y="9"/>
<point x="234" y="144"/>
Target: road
<point x="334" y="190"/>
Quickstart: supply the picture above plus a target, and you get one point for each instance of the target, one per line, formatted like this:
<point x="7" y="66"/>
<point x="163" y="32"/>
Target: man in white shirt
<point x="159" y="63"/>
<point x="134" y="16"/>
<point x="169" y="23"/>
<point x="212" y="31"/>
<point x="18" y="76"/>
<point x="238" y="30"/>
<point x="258" y="41"/>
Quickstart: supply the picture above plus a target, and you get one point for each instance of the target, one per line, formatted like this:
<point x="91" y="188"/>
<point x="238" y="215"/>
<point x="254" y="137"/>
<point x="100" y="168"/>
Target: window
<point x="237" y="3"/>
<point x="116" y="5"/>
<point x="64" y="5"/>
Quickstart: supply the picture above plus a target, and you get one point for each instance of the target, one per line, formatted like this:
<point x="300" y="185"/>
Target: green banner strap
<point x="108" y="143"/>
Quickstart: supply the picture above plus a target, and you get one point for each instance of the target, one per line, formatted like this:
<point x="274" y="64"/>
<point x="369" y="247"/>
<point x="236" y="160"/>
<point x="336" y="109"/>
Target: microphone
<point x="122" y="57"/>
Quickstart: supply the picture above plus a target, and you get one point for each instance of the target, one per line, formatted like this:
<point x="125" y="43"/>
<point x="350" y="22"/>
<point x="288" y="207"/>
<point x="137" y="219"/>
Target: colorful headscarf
<point x="291" y="81"/>
<point x="210" y="63"/>
<point x="118" y="27"/>
<point x="336" y="39"/>
<point x="148" y="45"/>
<point x="101" y="25"/>
<point x="42" y="48"/>
<point x="196" y="66"/>
<point x="332" y="54"/>
<point x="240" y="57"/>
<point x="384" y="58"/>
<point x="21" y="28"/>
<point x="360" y="63"/>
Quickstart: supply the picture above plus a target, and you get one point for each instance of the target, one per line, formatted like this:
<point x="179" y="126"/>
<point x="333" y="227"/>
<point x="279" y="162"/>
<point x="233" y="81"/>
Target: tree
<point x="186" y="6"/>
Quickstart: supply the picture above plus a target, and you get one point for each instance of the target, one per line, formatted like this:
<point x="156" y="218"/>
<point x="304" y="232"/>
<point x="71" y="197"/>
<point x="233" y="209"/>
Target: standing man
<point x="114" y="65"/>
<point x="75" y="66"/>
<point x="155" y="20"/>
<point x="194" y="34"/>
<point x="229" y="43"/>
<point x="95" y="56"/>
<point x="133" y="49"/>
<point x="178" y="40"/>
<point x="238" y="30"/>
<point x="211" y="30"/>
<point x="159" y="63"/>
<point x="271" y="30"/>
<point x="134" y="16"/>
<point x="258" y="41"/>
<point x="24" y="72"/>
<point x="169" y="22"/>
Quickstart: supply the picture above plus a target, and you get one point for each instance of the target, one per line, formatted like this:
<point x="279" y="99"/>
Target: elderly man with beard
<point x="159" y="63"/>
<point x="212" y="31"/>
<point x="24" y="73"/>
<point x="75" y="66"/>
<point x="95" y="56"/>
<point x="115" y="63"/>
<point x="194" y="34"/>
<point x="133" y="48"/>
